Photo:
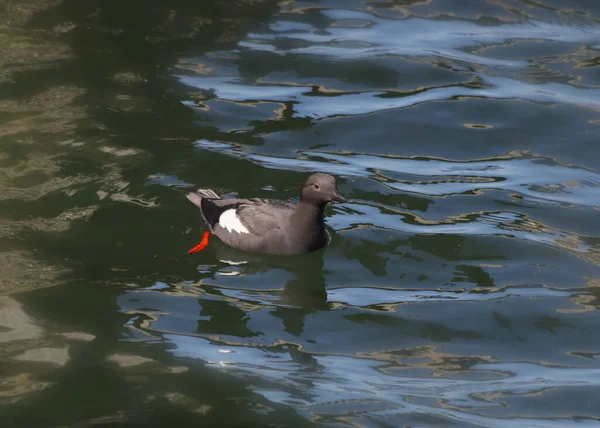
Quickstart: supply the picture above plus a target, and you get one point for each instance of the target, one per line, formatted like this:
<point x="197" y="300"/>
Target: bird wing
<point x="211" y="209"/>
<point x="256" y="216"/>
<point x="260" y="216"/>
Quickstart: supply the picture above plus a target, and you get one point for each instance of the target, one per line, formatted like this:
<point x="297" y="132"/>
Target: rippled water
<point x="462" y="278"/>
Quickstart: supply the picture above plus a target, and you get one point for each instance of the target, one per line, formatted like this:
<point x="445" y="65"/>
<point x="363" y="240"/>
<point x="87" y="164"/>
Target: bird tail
<point x="207" y="193"/>
<point x="196" y="197"/>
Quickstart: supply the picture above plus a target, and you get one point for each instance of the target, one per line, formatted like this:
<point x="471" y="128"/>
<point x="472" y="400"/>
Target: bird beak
<point x="338" y="198"/>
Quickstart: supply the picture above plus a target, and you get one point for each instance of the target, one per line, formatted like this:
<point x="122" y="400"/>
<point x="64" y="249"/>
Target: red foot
<point x="202" y="245"/>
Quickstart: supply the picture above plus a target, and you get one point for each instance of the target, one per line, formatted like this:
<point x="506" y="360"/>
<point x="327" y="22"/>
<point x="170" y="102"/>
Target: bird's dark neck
<point x="308" y="222"/>
<point x="308" y="212"/>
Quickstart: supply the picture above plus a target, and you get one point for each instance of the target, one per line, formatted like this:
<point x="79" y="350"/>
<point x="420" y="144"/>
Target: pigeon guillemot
<point x="269" y="226"/>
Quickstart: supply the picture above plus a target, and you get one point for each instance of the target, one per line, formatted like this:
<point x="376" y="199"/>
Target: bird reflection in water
<point x="302" y="294"/>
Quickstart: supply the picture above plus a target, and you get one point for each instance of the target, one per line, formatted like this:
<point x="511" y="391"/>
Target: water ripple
<point x="533" y="176"/>
<point x="414" y="37"/>
<point x="307" y="104"/>
<point x="373" y="386"/>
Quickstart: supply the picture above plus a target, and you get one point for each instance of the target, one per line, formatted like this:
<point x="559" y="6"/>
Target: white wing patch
<point x="230" y="221"/>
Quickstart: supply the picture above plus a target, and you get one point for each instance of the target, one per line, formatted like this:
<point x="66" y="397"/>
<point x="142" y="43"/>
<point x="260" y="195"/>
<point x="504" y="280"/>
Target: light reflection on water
<point x="517" y="190"/>
<point x="308" y="373"/>
<point x="369" y="102"/>
<point x="413" y="37"/>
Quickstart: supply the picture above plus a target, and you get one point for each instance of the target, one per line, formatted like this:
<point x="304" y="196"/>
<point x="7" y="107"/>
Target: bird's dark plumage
<point x="269" y="225"/>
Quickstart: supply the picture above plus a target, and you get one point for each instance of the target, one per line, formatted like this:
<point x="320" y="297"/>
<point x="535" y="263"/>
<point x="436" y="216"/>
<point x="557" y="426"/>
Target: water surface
<point x="462" y="278"/>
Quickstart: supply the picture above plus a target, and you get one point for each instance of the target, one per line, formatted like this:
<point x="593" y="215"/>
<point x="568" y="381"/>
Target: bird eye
<point x="317" y="187"/>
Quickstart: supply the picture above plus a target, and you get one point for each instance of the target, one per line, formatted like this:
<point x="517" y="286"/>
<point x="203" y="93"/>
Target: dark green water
<point x="461" y="284"/>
